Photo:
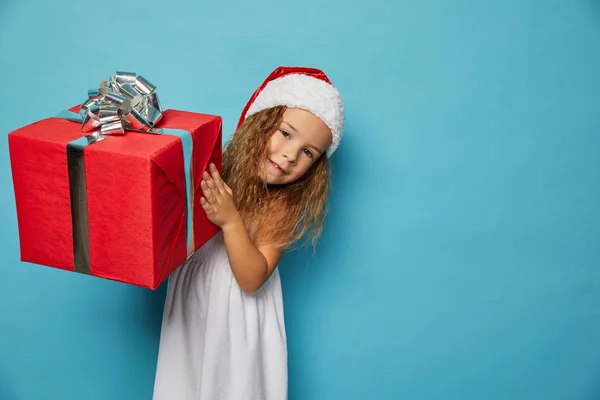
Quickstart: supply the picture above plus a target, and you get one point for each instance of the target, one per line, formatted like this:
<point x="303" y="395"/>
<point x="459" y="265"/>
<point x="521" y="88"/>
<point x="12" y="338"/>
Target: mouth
<point x="277" y="167"/>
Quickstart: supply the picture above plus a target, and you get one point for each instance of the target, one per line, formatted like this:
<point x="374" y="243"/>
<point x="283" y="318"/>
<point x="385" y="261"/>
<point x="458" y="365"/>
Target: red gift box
<point x="135" y="191"/>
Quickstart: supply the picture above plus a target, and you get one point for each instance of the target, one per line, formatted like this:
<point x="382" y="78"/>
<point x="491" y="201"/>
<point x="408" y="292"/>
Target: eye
<point x="308" y="153"/>
<point x="284" y="133"/>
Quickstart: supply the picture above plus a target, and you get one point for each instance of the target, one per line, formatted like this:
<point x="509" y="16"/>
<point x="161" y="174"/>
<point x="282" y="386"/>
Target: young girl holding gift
<point x="223" y="334"/>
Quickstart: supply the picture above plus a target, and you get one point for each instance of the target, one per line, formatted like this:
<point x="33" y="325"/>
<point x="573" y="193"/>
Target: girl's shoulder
<point x="273" y="226"/>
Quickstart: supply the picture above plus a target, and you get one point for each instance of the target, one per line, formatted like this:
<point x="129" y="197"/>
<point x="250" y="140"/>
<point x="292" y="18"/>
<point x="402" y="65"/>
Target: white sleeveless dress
<point x="218" y="342"/>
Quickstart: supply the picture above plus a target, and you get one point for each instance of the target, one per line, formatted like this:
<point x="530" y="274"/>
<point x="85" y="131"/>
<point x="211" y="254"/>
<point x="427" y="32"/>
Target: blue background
<point x="461" y="256"/>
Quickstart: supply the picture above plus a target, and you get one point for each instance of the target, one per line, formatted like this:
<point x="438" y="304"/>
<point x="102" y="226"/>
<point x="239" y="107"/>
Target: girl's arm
<point x="251" y="265"/>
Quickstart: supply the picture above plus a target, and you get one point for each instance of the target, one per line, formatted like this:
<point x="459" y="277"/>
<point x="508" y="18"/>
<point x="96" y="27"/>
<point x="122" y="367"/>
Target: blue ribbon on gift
<point x="126" y="102"/>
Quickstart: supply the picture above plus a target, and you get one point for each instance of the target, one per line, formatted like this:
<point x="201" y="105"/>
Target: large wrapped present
<point x="111" y="188"/>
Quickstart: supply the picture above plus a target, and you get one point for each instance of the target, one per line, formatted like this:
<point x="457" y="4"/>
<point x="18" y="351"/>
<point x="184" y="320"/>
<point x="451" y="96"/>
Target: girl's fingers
<point x="207" y="208"/>
<point x="227" y="188"/>
<point x="208" y="193"/>
<point x="209" y="181"/>
<point x="215" y="176"/>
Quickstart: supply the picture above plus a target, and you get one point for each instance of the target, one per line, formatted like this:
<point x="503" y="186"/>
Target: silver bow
<point x="126" y="101"/>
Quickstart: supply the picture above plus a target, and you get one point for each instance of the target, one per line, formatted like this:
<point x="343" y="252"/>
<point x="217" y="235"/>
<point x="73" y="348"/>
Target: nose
<point x="290" y="154"/>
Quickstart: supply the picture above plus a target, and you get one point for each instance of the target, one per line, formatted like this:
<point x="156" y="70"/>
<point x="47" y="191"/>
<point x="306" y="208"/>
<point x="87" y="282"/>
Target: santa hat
<point x="305" y="88"/>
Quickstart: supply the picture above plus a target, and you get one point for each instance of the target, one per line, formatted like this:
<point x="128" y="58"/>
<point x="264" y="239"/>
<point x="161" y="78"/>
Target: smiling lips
<point x="277" y="167"/>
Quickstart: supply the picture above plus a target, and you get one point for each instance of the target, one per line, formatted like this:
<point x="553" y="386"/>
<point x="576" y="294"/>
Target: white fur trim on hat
<point x="308" y="93"/>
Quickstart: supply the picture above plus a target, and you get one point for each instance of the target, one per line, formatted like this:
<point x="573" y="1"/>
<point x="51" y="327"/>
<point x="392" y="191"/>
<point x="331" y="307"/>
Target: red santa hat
<point x="305" y="88"/>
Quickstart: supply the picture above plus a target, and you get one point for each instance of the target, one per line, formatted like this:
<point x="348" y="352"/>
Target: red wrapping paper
<point x="136" y="196"/>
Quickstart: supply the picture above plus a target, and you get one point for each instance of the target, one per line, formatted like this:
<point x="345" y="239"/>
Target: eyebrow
<point x="291" y="126"/>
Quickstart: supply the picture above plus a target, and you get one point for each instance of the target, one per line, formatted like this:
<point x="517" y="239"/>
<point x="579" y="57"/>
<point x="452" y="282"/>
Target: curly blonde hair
<point x="279" y="215"/>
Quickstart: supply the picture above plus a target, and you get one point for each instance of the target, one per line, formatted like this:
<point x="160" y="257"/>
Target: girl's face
<point x="300" y="140"/>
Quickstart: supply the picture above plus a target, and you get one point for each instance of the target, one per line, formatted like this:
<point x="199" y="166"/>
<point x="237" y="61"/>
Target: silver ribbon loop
<point x="126" y="102"/>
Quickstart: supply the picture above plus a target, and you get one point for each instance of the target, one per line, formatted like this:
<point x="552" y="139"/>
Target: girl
<point x="223" y="335"/>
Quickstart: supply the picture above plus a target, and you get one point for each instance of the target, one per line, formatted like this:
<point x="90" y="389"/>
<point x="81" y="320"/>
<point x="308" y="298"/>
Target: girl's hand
<point x="218" y="201"/>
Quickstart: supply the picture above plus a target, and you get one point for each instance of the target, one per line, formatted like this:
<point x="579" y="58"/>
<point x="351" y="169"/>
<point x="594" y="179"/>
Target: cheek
<point x="274" y="143"/>
<point x="300" y="170"/>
